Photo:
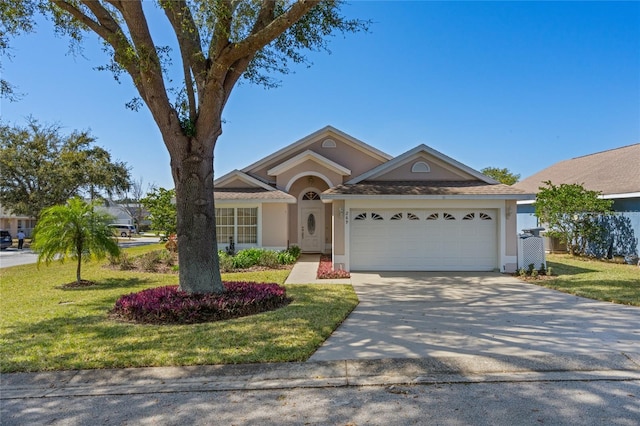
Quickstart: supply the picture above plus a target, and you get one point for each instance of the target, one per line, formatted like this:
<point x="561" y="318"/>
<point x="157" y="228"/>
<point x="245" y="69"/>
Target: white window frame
<point x="258" y="225"/>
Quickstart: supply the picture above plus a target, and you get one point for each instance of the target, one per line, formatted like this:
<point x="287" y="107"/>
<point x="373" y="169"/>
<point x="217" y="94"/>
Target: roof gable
<point x="306" y="156"/>
<point x="615" y="171"/>
<point x="422" y="163"/>
<point x="238" y="179"/>
<point x="329" y="141"/>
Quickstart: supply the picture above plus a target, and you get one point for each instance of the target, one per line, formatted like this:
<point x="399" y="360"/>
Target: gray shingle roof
<point x="260" y="194"/>
<point x="616" y="171"/>
<point x="413" y="188"/>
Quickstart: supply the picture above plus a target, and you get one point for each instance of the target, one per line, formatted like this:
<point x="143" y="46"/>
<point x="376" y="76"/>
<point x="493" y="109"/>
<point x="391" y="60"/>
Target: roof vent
<point x="328" y="143"/>
<point x="420" y="167"/>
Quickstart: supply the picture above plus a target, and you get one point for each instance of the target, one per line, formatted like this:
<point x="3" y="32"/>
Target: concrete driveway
<point x="422" y="314"/>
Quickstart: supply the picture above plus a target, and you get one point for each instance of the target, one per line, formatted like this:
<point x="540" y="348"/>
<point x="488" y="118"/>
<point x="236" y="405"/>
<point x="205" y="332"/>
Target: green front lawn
<point x="607" y="281"/>
<point x="43" y="327"/>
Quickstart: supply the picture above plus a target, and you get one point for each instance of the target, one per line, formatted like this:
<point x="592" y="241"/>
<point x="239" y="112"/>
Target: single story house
<point x="332" y="193"/>
<point x="12" y="222"/>
<point x="615" y="173"/>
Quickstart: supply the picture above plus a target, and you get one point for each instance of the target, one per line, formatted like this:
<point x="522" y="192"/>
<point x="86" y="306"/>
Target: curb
<point x="212" y="378"/>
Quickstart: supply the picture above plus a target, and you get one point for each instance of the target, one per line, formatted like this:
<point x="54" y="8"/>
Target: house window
<point x="412" y="216"/>
<point x="361" y="216"/>
<point x="376" y="216"/>
<point x="311" y="196"/>
<point x="420" y="167"/>
<point x="247" y="225"/>
<point x="225" y="225"/>
<point x="469" y="216"/>
<point x="448" y="216"/>
<point x="484" y="216"/>
<point x="397" y="216"/>
<point x="433" y="216"/>
<point x="240" y="223"/>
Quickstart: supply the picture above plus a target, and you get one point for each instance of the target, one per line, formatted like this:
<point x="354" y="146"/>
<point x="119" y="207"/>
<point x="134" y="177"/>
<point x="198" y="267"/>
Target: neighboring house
<point x="615" y="173"/>
<point x="12" y="222"/>
<point x="331" y="193"/>
<point x="120" y="213"/>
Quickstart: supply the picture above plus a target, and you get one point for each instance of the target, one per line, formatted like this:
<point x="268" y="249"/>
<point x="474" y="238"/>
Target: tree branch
<point x="106" y="28"/>
<point x="263" y="36"/>
<point x="189" y="42"/>
<point x="151" y="83"/>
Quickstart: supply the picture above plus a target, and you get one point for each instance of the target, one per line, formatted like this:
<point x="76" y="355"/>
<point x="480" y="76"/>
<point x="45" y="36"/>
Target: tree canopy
<point x="218" y="42"/>
<point x="501" y="175"/>
<point x="569" y="212"/>
<point x="162" y="210"/>
<point x="74" y="230"/>
<point x="42" y="168"/>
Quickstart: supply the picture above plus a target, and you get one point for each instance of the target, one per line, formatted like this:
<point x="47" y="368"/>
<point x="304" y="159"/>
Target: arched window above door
<point x="311" y="196"/>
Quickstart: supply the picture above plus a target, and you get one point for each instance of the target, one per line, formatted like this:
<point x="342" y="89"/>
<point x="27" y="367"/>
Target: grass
<point x="606" y="281"/>
<point x="44" y="327"/>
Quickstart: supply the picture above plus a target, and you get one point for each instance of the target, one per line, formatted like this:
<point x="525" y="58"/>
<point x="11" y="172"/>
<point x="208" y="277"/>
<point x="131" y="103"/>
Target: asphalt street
<point x="14" y="257"/>
<point x="517" y="403"/>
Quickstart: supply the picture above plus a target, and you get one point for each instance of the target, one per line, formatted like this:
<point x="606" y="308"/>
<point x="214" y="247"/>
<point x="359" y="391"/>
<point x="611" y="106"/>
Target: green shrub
<point x="522" y="272"/>
<point x="122" y="261"/>
<point x="247" y="258"/>
<point x="286" y="258"/>
<point x="226" y="261"/>
<point x="530" y="269"/>
<point x="148" y="262"/>
<point x="167" y="257"/>
<point x="294" y="251"/>
<point x="269" y="259"/>
<point x="289" y="256"/>
<point x="542" y="270"/>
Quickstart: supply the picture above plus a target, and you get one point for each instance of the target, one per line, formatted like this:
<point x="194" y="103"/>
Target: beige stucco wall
<point x="438" y="171"/>
<point x="274" y="225"/>
<point x="307" y="166"/>
<point x="236" y="183"/>
<point x="344" y="154"/>
<point x="511" y="231"/>
<point x="338" y="227"/>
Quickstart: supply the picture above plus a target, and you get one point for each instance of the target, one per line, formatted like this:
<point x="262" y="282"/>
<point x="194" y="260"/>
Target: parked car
<point x="123" y="230"/>
<point x="5" y="240"/>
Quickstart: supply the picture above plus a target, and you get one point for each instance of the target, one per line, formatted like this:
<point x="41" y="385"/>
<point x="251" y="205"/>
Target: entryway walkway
<point x="305" y="271"/>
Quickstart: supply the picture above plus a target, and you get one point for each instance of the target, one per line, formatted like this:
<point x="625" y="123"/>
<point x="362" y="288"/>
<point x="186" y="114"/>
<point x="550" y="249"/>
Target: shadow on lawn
<point x="108" y="284"/>
<point x="564" y="269"/>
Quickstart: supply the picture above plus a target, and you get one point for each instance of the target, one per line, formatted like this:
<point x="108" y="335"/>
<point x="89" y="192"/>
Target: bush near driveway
<point x="600" y="280"/>
<point x="44" y="327"/>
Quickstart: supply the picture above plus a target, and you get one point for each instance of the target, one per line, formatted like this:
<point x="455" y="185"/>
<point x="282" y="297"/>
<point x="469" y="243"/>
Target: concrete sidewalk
<point x="306" y="269"/>
<point x="345" y="373"/>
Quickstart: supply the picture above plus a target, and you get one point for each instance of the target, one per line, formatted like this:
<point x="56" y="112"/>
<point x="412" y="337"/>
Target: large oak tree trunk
<point x="197" y="245"/>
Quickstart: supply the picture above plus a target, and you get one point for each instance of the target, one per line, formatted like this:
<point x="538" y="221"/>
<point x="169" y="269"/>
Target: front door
<point x="312" y="228"/>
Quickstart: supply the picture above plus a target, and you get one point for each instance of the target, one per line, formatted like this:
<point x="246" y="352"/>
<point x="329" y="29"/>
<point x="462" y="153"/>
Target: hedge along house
<point x="331" y="193"/>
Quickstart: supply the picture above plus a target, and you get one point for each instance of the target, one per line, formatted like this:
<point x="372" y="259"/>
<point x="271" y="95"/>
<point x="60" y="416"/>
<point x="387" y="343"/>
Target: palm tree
<point x="76" y="231"/>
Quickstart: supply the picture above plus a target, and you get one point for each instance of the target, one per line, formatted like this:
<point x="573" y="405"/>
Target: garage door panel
<point x="428" y="239"/>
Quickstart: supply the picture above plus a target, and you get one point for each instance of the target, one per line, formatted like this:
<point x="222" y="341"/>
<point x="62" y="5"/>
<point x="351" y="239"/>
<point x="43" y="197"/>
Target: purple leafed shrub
<point x="168" y="305"/>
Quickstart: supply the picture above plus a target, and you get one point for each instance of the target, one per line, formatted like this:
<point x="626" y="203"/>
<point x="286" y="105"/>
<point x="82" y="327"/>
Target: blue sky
<point x="519" y="85"/>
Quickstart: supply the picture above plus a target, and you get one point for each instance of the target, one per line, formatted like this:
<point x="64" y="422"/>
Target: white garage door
<point x="423" y="240"/>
